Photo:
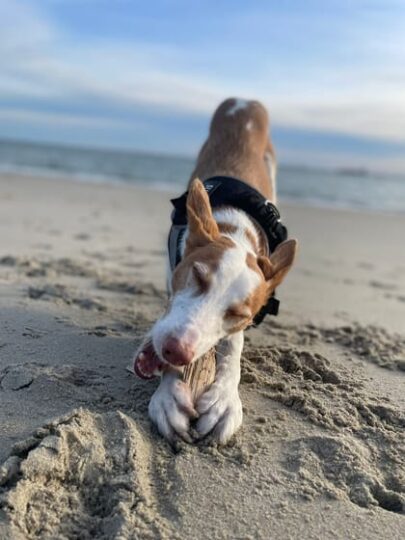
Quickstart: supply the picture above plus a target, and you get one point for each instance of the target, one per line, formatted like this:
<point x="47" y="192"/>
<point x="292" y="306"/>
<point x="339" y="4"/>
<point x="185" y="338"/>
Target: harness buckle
<point x="271" y="308"/>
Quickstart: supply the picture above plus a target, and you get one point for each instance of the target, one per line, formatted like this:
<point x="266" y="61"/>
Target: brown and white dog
<point x="224" y="278"/>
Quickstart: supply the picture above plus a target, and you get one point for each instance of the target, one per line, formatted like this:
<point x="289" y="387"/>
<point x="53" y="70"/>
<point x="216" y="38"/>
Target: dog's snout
<point x="177" y="352"/>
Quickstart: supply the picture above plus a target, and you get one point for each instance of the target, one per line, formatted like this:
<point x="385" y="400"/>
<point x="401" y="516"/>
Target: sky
<point x="148" y="75"/>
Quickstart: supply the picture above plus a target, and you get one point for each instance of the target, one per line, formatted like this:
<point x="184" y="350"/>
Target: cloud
<point x="27" y="116"/>
<point x="33" y="29"/>
<point x="368" y="118"/>
<point x="341" y="159"/>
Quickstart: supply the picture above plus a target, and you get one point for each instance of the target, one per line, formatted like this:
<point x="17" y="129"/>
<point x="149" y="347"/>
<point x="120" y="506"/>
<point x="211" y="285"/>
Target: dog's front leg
<point x="220" y="408"/>
<point x="171" y="406"/>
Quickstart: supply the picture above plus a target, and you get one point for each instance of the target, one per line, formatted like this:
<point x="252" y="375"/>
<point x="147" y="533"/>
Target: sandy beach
<point x="322" y="449"/>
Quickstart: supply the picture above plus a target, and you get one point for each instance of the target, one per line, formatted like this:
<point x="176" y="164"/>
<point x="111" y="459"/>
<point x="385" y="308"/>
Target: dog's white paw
<point x="220" y="410"/>
<point x="171" y="408"/>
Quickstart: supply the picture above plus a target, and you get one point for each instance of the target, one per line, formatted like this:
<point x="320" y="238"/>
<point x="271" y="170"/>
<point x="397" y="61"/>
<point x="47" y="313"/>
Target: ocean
<point x="346" y="188"/>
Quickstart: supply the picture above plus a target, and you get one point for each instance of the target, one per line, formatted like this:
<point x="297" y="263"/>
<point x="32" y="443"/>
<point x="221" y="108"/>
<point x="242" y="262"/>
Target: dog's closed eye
<point x="202" y="276"/>
<point x="238" y="312"/>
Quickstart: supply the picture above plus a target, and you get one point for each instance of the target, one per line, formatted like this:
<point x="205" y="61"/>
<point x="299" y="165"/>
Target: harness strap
<point x="176" y="235"/>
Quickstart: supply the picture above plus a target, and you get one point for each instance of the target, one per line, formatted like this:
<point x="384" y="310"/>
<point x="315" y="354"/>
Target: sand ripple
<point x="83" y="476"/>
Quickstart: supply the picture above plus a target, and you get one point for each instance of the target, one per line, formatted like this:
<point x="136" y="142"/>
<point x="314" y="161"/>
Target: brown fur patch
<point x="203" y="281"/>
<point x="266" y="267"/>
<point x="262" y="292"/>
<point x="238" y="311"/>
<point x="282" y="260"/>
<point x="272" y="271"/>
<point x="210" y="254"/>
<point x="255" y="300"/>
<point x="263" y="248"/>
<point x="259" y="297"/>
<point x="227" y="228"/>
<point x="239" y="327"/>
<point x="237" y="314"/>
<point x="234" y="150"/>
<point x="252" y="239"/>
<point x="251" y="262"/>
<point x="202" y="227"/>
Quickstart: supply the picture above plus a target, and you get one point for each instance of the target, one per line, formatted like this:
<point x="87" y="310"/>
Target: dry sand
<point x="321" y="453"/>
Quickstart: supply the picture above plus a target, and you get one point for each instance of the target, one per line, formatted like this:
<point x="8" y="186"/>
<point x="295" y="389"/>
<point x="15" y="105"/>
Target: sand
<point x="322" y="450"/>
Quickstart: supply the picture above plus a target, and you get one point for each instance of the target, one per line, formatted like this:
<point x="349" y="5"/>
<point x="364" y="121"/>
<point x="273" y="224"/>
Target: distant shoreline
<point x="346" y="188"/>
<point x="342" y="170"/>
<point x="175" y="190"/>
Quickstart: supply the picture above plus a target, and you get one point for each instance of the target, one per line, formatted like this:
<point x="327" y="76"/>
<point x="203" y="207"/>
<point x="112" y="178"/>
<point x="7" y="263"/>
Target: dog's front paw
<point x="220" y="410"/>
<point x="171" y="408"/>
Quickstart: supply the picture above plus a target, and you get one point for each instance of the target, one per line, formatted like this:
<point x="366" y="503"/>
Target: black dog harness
<point x="227" y="191"/>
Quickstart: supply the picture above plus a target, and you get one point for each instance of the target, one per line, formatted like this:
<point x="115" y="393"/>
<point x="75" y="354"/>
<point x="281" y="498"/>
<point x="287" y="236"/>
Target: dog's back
<point x="238" y="145"/>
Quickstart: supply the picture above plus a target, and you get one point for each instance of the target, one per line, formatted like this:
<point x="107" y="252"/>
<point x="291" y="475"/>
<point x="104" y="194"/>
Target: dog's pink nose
<point x="177" y="352"/>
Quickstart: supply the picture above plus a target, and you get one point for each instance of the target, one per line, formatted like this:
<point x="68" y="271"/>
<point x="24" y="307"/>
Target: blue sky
<point x="147" y="75"/>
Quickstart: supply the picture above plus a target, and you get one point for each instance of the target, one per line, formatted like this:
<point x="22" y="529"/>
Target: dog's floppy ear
<point x="202" y="227"/>
<point x="276" y="267"/>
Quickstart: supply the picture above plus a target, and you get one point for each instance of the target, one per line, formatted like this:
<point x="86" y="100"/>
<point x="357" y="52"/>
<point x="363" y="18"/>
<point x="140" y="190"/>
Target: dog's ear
<point x="202" y="227"/>
<point x="276" y="267"/>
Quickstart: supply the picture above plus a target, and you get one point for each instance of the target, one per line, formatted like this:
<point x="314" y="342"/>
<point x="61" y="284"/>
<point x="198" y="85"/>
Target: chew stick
<point x="200" y="374"/>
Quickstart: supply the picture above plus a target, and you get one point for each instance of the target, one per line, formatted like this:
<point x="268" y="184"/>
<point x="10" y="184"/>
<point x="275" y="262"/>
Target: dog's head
<point x="217" y="288"/>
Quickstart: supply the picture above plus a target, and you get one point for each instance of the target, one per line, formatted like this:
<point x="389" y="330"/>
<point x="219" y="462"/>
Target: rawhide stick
<point x="200" y="374"/>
